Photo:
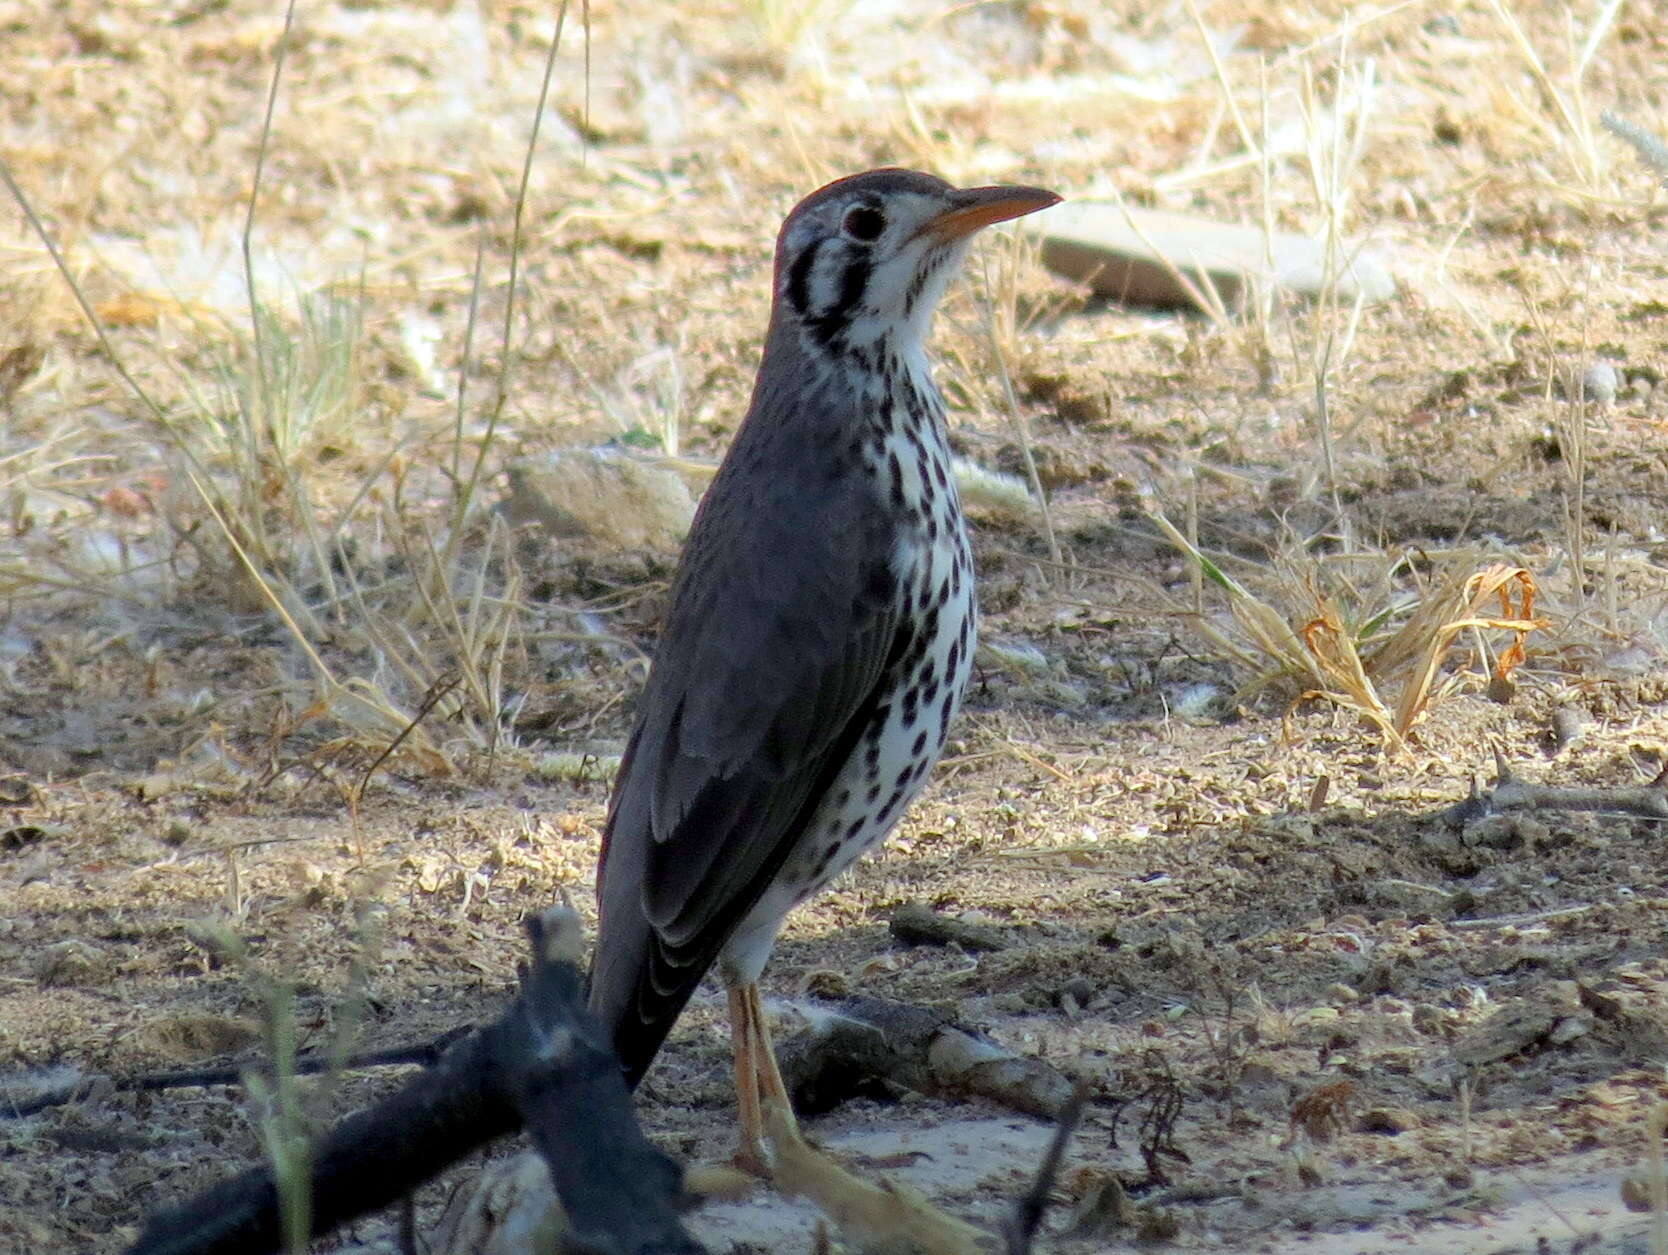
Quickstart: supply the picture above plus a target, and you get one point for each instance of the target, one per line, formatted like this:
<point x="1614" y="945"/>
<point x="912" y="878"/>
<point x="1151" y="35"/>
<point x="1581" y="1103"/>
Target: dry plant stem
<point x="1262" y="294"/>
<point x="1030" y="1207"/>
<point x="1333" y="155"/>
<point x="1195" y="571"/>
<point x="1325" y="305"/>
<point x="1324" y="653"/>
<point x="1571" y="107"/>
<point x="1020" y="752"/>
<point x="195" y="471"/>
<point x="326" y="676"/>
<point x="501" y="391"/>
<point x="1441" y="617"/>
<point x="278" y="56"/>
<point x="1656" y="1129"/>
<point x="1022" y="430"/>
<point x="1199" y="286"/>
<point x="93" y="321"/>
<point x="430" y="700"/>
<point x="1523" y="919"/>
<point x="461" y="500"/>
<point x="585" y="26"/>
<point x="1323" y="424"/>
<point x="1245" y="135"/>
<point x="1575" y="495"/>
<point x="480" y="642"/>
<point x="1462" y="1092"/>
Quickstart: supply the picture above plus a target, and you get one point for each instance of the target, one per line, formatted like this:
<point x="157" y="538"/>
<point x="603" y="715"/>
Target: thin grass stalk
<point x="276" y="602"/>
<point x="1571" y="107"/>
<point x="1221" y="72"/>
<point x="460" y="501"/>
<point x="502" y="389"/>
<point x="1016" y="419"/>
<point x="1262" y="295"/>
<point x="1204" y="294"/>
<point x="280" y="53"/>
<point x="1656" y="1131"/>
<point x="1575" y="494"/>
<point x="93" y="320"/>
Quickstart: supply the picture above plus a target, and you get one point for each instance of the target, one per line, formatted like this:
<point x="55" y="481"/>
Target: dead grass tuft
<point x="1371" y="646"/>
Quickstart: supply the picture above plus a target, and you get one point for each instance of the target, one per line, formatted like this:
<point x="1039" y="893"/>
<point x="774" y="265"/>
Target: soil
<point x="1227" y="899"/>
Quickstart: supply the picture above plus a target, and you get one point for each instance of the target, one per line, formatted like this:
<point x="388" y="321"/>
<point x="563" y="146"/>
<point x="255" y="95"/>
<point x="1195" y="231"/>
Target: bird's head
<point x="867" y="257"/>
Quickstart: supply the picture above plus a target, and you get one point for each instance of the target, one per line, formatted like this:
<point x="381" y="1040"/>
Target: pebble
<point x="1636" y="1194"/>
<point x="1568" y="728"/>
<point x="604" y="495"/>
<point x="1599" y="383"/>
<point x="1460" y="1177"/>
<point x="1133" y="255"/>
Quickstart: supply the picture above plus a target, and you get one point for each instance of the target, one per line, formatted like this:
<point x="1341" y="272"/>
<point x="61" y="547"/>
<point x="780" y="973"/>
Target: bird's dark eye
<point x="863" y="223"/>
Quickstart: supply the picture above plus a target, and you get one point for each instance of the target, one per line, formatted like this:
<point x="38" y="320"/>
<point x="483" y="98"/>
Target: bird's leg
<point x="758" y="1079"/>
<point x="771" y="1085"/>
<point x="743" y="1046"/>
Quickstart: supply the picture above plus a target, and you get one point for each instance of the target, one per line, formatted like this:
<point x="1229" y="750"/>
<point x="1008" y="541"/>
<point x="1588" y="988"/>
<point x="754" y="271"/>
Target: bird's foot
<point x="719" y="1182"/>
<point x="752" y="1160"/>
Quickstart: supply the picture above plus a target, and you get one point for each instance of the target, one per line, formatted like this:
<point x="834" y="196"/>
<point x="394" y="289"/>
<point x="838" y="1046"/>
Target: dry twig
<point x="545" y="1064"/>
<point x="1513" y="793"/>
<point x="916" y="1048"/>
<point x="1029" y="1208"/>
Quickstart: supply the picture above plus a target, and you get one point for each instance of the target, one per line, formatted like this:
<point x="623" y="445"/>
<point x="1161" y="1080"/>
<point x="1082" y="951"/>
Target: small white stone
<point x="1193" y="701"/>
<point x="1598" y="383"/>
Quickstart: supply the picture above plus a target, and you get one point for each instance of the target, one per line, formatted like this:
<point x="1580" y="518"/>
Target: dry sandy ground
<point x="1378" y="1033"/>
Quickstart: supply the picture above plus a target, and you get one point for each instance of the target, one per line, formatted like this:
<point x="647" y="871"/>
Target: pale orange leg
<point x="757" y="1076"/>
<point x="750" y="1156"/>
<point x="770" y="1076"/>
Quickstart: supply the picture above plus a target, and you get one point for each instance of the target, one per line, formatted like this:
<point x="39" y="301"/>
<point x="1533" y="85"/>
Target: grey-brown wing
<point x="784" y="619"/>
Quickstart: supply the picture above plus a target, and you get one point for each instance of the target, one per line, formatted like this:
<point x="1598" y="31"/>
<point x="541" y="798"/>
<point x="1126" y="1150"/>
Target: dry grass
<point x="290" y="461"/>
<point x="1346" y="629"/>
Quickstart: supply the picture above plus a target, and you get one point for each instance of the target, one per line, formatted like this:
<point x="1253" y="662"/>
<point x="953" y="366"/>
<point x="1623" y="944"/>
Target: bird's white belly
<point x="893" y="756"/>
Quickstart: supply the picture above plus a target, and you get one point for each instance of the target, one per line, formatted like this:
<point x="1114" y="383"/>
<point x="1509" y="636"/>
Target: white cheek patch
<point x="827" y="276"/>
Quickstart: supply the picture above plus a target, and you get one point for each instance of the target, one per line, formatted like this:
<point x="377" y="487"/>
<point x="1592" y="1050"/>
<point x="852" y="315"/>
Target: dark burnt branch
<point x="372" y="1158"/>
<point x="545" y="1062"/>
<point x="619" y="1192"/>
<point x="1513" y="793"/>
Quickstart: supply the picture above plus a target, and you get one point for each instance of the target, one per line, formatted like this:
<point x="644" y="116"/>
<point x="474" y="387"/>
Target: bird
<point x="819" y="631"/>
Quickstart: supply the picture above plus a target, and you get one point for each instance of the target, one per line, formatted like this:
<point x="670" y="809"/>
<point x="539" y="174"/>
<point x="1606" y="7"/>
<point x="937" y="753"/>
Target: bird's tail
<point x="638" y="987"/>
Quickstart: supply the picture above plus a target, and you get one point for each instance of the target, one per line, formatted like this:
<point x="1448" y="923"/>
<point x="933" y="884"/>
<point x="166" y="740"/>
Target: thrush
<point x="820" y="629"/>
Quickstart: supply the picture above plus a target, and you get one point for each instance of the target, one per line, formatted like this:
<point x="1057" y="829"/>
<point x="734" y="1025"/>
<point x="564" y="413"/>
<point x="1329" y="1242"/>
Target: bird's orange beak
<point x="974" y="207"/>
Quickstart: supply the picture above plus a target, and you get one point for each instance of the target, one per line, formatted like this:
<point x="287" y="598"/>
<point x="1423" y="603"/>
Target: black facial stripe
<point x="828" y="323"/>
<point x="852" y="283"/>
<point x="930" y="266"/>
<point x="799" y="279"/>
